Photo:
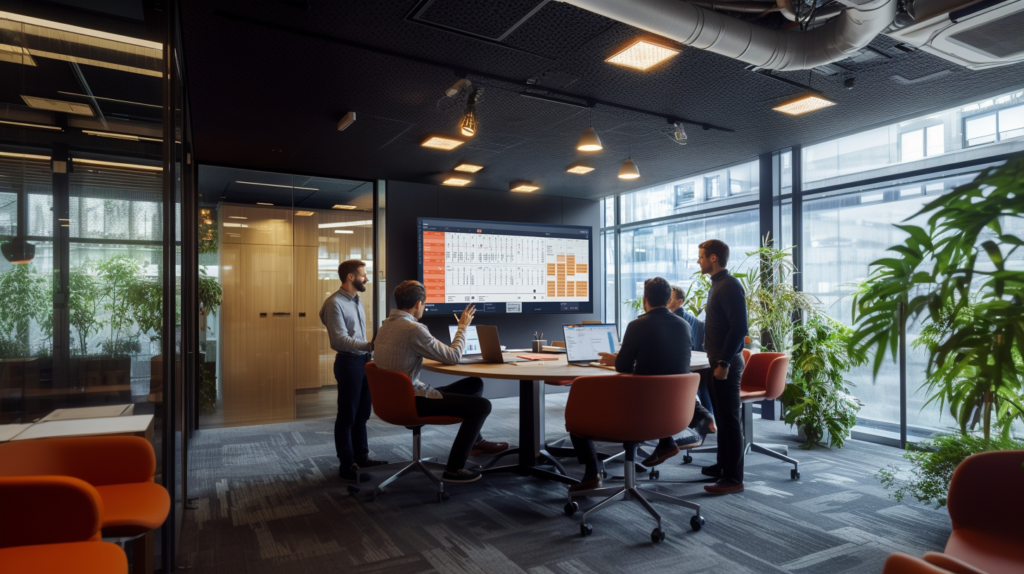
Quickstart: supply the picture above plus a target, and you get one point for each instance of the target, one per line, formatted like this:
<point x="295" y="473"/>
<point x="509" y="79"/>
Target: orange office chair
<point x="950" y="564"/>
<point x="764" y="378"/>
<point x="630" y="409"/>
<point x="985" y="504"/>
<point x="900" y="563"/>
<point x="51" y="524"/>
<point x="394" y="401"/>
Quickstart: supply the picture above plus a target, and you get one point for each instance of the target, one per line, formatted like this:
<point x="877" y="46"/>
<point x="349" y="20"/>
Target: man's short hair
<point x="408" y="293"/>
<point x="351" y="266"/>
<point x="718" y="248"/>
<point x="657" y="291"/>
<point x="679" y="293"/>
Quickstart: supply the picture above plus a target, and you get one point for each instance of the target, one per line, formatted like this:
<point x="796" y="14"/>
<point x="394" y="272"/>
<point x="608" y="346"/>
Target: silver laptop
<point x="583" y="343"/>
<point x="482" y="345"/>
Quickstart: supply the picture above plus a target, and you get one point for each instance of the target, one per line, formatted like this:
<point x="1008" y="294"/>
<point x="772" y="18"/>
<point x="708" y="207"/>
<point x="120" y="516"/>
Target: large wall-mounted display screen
<point x="505" y="267"/>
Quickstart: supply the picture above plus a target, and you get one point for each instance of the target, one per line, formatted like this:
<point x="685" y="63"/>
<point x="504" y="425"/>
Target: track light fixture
<point x="628" y="170"/>
<point x="468" y="125"/>
<point x="678" y="133"/>
<point x="457" y="87"/>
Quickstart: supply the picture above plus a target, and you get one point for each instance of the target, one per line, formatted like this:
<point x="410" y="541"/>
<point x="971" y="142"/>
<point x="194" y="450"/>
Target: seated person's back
<point x="656" y="343"/>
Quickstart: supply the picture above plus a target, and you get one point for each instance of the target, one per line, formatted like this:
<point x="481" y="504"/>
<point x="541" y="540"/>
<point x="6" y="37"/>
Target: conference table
<point x="534" y="457"/>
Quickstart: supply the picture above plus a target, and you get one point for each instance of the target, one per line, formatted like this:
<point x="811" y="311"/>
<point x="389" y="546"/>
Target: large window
<point x="722" y="187"/>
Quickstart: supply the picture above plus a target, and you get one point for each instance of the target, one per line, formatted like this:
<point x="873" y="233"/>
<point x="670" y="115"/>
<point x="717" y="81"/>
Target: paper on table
<point x="87" y="413"/>
<point x="530" y="363"/>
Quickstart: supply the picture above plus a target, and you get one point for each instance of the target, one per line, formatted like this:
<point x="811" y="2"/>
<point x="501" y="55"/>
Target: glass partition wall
<point x="270" y="244"/>
<point x="837" y="203"/>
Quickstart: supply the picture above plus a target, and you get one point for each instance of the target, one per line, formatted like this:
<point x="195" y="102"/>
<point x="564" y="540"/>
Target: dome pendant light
<point x="589" y="140"/>
<point x="629" y="170"/>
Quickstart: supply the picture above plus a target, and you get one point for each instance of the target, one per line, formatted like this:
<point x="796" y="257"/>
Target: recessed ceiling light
<point x="58" y="106"/>
<point x="803" y="104"/>
<point x="344" y="207"/>
<point x="642" y="55"/>
<point x="24" y="155"/>
<point x="129" y="137"/>
<point x="235" y="225"/>
<point x="522" y="187"/>
<point x="360" y="223"/>
<point x="468" y="167"/>
<point x="304" y="213"/>
<point x="456" y="181"/>
<point x="278" y="185"/>
<point x="36" y="126"/>
<point x="15" y="55"/>
<point x="580" y="169"/>
<point x="439" y="142"/>
<point x="349" y="231"/>
<point x="262" y="203"/>
<point x="236" y="217"/>
<point x="101" y="163"/>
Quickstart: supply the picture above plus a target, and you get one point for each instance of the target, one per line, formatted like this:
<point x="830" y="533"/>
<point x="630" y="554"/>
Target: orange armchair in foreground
<point x="51" y="524"/>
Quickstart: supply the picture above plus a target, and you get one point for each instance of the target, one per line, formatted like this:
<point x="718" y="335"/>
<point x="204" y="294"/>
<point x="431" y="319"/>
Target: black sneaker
<point x="352" y="474"/>
<point x="463" y="475"/>
<point x="370" y="463"/>
<point x="713" y="471"/>
<point x="689" y="439"/>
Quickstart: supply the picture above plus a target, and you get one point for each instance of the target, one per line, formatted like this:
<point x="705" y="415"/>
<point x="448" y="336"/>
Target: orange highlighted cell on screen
<point x="433" y="266"/>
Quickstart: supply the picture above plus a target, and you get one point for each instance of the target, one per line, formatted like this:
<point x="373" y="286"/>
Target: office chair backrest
<point x="746" y="355"/>
<point x="985" y="492"/>
<point x="630" y="408"/>
<point x="48" y="510"/>
<point x="766" y="372"/>
<point x="392" y="395"/>
<point x="98" y="460"/>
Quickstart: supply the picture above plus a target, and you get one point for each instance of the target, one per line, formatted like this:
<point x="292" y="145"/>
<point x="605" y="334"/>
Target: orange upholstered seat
<point x="51" y="524"/>
<point x="121" y="468"/>
<point x="985" y="503"/>
<point x="899" y="563"/>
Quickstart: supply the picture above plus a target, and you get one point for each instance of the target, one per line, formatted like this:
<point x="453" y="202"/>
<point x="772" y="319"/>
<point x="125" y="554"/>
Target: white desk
<point x="8" y="432"/>
<point x="140" y="425"/>
<point x="89" y="413"/>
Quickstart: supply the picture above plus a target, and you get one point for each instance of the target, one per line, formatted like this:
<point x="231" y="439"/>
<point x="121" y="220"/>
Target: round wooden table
<point x="534" y="458"/>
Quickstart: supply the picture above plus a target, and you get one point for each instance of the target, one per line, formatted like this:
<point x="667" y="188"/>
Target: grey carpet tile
<point x="268" y="501"/>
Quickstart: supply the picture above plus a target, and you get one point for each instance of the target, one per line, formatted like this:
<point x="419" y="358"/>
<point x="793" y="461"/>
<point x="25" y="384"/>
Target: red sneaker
<point x="724" y="487"/>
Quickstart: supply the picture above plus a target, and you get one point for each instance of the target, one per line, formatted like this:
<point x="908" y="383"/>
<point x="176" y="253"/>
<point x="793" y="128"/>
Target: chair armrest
<point x="947" y="562"/>
<point x="98" y="460"/>
<point x="48" y="510"/>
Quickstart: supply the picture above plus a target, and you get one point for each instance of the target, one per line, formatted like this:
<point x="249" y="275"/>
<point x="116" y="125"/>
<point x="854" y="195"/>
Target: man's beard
<point x="359" y="285"/>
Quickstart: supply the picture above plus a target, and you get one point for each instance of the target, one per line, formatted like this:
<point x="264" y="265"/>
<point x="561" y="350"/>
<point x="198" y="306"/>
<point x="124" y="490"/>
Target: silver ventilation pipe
<point x="694" y="26"/>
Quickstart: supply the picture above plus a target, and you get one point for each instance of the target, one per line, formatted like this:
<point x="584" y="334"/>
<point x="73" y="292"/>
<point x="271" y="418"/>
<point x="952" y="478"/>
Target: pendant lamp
<point x="629" y="170"/>
<point x="589" y="141"/>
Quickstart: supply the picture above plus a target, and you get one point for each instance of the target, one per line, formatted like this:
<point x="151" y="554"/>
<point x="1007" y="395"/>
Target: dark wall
<point x="407" y="201"/>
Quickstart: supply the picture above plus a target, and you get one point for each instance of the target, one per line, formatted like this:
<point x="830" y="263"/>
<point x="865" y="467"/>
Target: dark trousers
<point x="353" y="409"/>
<point x="460" y="399"/>
<point x="725" y="396"/>
<point x="706" y="375"/>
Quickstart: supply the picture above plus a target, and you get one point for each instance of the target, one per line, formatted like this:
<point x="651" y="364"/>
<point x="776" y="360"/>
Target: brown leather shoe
<point x="660" y="455"/>
<point x="724" y="487"/>
<point x="591" y="484"/>
<point x="488" y="447"/>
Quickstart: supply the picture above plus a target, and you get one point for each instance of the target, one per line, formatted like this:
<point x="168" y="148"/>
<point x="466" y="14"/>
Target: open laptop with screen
<point x="584" y="342"/>
<point x="482" y="345"/>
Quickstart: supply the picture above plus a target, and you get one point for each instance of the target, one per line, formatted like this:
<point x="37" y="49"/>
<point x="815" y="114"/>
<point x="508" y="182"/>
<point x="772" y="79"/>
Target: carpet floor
<point x="268" y="501"/>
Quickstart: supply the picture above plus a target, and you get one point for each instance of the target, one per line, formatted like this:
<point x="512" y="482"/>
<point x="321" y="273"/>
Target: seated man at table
<point x="702" y="421"/>
<point x="401" y="344"/>
<point x="656" y="343"/>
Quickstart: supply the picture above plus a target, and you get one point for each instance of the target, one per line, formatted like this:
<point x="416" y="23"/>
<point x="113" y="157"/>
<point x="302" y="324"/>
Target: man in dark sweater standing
<point x="725" y="326"/>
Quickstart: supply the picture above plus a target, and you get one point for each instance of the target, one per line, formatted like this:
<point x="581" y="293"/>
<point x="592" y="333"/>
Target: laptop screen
<point x="472" y="341"/>
<point x="584" y="342"/>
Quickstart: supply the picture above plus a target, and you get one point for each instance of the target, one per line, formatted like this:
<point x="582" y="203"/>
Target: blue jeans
<point x="353" y="409"/>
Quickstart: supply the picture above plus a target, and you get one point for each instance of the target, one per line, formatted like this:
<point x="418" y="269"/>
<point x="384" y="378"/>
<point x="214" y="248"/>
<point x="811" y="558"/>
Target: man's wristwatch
<point x="722" y="363"/>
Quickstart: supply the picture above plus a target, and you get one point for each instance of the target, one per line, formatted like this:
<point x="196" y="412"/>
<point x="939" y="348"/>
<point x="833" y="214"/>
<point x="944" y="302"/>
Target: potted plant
<point x="210" y="298"/>
<point x="84" y="304"/>
<point x="952" y="277"/>
<point x="118" y="275"/>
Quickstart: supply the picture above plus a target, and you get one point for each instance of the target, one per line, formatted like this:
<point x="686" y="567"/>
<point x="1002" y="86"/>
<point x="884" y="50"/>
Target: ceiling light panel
<point x="580" y="169"/>
<point x="343" y="207"/>
<point x="34" y="126"/>
<point x="443" y="143"/>
<point x="277" y="185"/>
<point x="101" y="163"/>
<point x="804" y="104"/>
<point x="523" y="187"/>
<point x="455" y="181"/>
<point x="468" y="167"/>
<point x="58" y="106"/>
<point x="360" y="223"/>
<point x="304" y="213"/>
<point x="346" y="231"/>
<point x="642" y="55"/>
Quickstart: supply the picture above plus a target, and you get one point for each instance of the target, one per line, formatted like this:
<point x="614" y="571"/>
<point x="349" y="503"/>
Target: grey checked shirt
<point x="402" y="343"/>
<point x="345" y="320"/>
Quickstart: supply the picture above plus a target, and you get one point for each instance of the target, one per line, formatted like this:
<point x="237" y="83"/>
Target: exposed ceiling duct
<point x="835" y="40"/>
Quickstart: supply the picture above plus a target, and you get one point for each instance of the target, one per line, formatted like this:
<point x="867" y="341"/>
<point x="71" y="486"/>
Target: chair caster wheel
<point x="654" y="474"/>
<point x="353" y="490"/>
<point x="696" y="522"/>
<point x="687" y="459"/>
<point x="571" y="508"/>
<point x="657" y="535"/>
<point x="794" y="474"/>
<point x="442" y="496"/>
<point x="586" y="529"/>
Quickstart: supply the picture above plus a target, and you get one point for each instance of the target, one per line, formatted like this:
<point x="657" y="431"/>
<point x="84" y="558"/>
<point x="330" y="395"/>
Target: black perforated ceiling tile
<point x="269" y="82"/>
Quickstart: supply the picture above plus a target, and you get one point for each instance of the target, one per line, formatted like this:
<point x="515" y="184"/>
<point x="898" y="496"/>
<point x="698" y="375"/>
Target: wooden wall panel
<point x="255" y="224"/>
<point x="310" y="334"/>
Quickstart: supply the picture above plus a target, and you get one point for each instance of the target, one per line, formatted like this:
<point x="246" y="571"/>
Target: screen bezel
<point x="586" y="308"/>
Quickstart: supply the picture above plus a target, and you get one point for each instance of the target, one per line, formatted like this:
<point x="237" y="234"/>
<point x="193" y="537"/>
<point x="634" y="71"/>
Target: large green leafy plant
<point x="24" y="296"/>
<point x="953" y="277"/>
<point x="772" y="300"/>
<point x="120" y="274"/>
<point x="84" y="304"/>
